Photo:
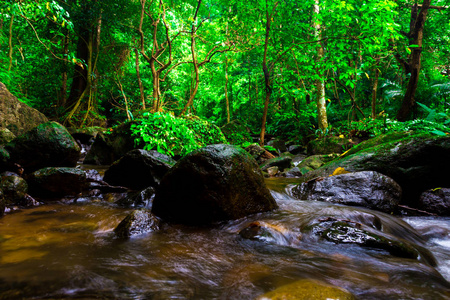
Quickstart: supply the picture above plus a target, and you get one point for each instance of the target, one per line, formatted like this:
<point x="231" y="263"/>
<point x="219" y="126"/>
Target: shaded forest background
<point x="297" y="70"/>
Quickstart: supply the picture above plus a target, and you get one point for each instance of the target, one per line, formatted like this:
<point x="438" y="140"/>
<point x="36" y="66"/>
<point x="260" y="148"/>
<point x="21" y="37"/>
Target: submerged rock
<point x="47" y="145"/>
<point x="214" y="183"/>
<point x="416" y="163"/>
<point x="16" y="115"/>
<point x="436" y="201"/>
<point x="139" y="169"/>
<point x="343" y="231"/>
<point x="369" y="189"/>
<point x="57" y="182"/>
<point x="138" y="222"/>
<point x="142" y="198"/>
<point x="307" y="289"/>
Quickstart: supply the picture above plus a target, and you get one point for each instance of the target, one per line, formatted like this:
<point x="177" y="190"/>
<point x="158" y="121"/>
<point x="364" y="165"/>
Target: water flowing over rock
<point x="47" y="145"/>
<point x="417" y="163"/>
<point x="307" y="289"/>
<point x="368" y="189"/>
<point x="16" y="115"/>
<point x="214" y="183"/>
<point x="436" y="201"/>
<point x="139" y="169"/>
<point x="137" y="222"/>
<point x="57" y="182"/>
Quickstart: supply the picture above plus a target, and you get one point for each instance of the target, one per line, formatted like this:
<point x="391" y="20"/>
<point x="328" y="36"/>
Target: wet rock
<point x="6" y="136"/>
<point x="314" y="162"/>
<point x="272" y="171"/>
<point x="214" y="183"/>
<point x="436" y="201"/>
<point x="138" y="222"/>
<point x="282" y="162"/>
<point x="47" y="145"/>
<point x="328" y="145"/>
<point x="142" y="198"/>
<point x="14" y="188"/>
<point x="108" y="148"/>
<point x="259" y="153"/>
<point x="278" y="144"/>
<point x="296" y="149"/>
<point x="16" y="115"/>
<point x="139" y="169"/>
<point x="236" y="132"/>
<point x="415" y="162"/>
<point x="57" y="182"/>
<point x="369" y="189"/>
<point x="270" y="233"/>
<point x="294" y="172"/>
<point x="343" y="231"/>
<point x="307" y="289"/>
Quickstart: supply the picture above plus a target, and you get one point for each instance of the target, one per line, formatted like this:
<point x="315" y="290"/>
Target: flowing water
<point x="68" y="250"/>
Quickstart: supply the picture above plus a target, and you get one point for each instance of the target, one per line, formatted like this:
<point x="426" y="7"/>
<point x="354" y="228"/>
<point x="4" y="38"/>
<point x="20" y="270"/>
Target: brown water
<point x="68" y="250"/>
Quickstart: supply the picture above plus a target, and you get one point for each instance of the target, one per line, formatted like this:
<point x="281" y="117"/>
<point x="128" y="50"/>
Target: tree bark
<point x="226" y="90"/>
<point x="375" y="89"/>
<point x="320" y="83"/>
<point x="138" y="74"/>
<point x="268" y="87"/>
<point x="10" y="52"/>
<point x="413" y="66"/>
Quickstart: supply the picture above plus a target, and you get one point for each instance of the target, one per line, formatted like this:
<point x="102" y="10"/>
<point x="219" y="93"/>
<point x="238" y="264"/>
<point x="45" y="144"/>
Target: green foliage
<point x="174" y="136"/>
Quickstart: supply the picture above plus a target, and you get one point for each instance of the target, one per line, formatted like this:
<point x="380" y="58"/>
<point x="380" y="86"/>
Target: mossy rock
<point x="282" y="162"/>
<point x="328" y="145"/>
<point x="314" y="162"/>
<point x="381" y="139"/>
<point x="6" y="136"/>
<point x="308" y="289"/>
<point x="14" y="188"/>
<point x="415" y="162"/>
<point x="236" y="132"/>
<point x="47" y="145"/>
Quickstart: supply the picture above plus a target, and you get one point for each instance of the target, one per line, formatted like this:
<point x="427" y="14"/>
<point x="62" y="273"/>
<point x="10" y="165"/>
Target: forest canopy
<point x="293" y="69"/>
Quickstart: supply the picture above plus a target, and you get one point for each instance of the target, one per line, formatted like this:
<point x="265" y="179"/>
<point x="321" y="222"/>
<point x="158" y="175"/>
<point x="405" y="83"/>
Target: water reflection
<point x="69" y="251"/>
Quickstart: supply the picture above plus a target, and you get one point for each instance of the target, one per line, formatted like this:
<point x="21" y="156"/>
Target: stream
<point x="67" y="250"/>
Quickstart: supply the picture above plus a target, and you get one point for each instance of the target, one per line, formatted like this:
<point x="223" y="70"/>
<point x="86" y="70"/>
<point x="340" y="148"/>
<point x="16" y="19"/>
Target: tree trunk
<point x="374" y="90"/>
<point x="138" y="74"/>
<point x="267" y="84"/>
<point x="320" y="83"/>
<point x="416" y="37"/>
<point x="194" y="61"/>
<point x="226" y="90"/>
<point x="10" y="52"/>
<point x="63" y="91"/>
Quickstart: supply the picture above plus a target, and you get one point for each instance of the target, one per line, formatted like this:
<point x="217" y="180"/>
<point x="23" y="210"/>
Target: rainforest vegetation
<point x="293" y="69"/>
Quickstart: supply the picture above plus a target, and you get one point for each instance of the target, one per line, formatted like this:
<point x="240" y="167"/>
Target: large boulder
<point x="369" y="189"/>
<point x="107" y="148"/>
<point x="139" y="169"/>
<point x="417" y="163"/>
<point x="436" y="201"/>
<point x="57" y="182"/>
<point x="282" y="162"/>
<point x="214" y="183"/>
<point x="314" y="162"/>
<point x="307" y="289"/>
<point x="17" y="116"/>
<point x="47" y="145"/>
